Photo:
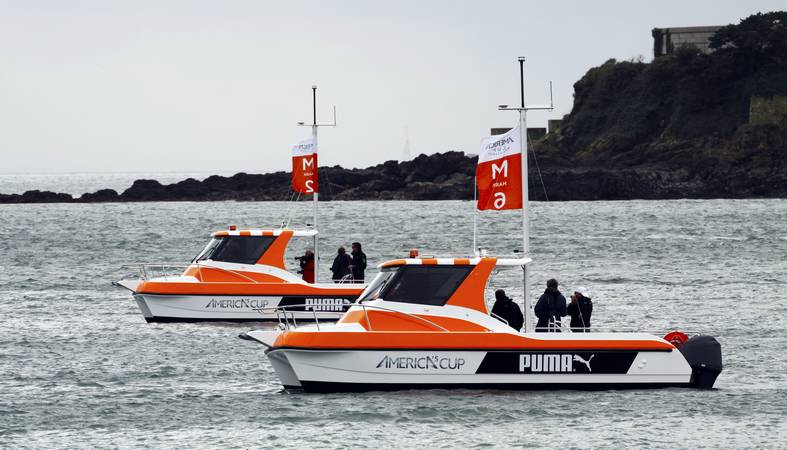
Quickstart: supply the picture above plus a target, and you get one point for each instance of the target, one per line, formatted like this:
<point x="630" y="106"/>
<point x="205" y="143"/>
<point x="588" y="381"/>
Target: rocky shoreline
<point x="449" y="176"/>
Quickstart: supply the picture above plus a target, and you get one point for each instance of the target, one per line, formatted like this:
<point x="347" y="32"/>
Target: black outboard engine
<point x="703" y="353"/>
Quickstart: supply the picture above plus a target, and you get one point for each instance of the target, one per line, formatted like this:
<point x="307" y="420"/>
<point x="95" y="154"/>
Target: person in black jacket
<point x="551" y="306"/>
<point x="341" y="265"/>
<point x="506" y="309"/>
<point x="580" y="309"/>
<point x="358" y="262"/>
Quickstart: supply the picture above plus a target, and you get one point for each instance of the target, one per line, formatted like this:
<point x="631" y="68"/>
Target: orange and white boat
<point x="424" y="323"/>
<point x="240" y="276"/>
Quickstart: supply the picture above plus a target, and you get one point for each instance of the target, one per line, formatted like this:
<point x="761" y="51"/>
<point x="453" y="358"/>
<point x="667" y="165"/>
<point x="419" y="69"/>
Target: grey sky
<point x="115" y="86"/>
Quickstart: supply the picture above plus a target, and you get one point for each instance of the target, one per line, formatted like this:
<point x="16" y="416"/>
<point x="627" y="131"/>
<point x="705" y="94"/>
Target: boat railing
<point x="287" y="320"/>
<point x="564" y="327"/>
<point x="498" y="318"/>
<point x="148" y="270"/>
<point x="346" y="279"/>
<point x="165" y="270"/>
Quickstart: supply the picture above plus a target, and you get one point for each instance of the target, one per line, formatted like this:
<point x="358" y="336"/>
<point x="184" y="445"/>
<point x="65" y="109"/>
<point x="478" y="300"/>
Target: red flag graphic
<point x="304" y="167"/>
<point x="499" y="172"/>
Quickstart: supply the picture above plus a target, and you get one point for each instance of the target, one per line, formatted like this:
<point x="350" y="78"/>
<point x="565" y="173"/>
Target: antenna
<point x="523" y="109"/>
<point x="314" y="125"/>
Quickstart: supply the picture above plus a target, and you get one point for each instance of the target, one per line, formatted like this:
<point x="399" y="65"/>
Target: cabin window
<point x="236" y="249"/>
<point x="378" y="284"/>
<point x="426" y="285"/>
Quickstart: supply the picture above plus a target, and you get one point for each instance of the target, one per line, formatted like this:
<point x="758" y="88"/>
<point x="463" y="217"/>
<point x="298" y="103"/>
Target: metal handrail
<point x="284" y="309"/>
<point x="144" y="272"/>
<point x="498" y="317"/>
<point x="566" y="328"/>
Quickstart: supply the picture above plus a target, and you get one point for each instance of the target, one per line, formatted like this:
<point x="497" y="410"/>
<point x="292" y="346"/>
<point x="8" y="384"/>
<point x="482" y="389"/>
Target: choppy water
<point x="79" y="367"/>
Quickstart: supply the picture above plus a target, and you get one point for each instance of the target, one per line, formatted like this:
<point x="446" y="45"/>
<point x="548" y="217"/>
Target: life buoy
<point x="676" y="338"/>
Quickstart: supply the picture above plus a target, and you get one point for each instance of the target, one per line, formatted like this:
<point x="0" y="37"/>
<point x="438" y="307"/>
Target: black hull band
<point x="324" y="387"/>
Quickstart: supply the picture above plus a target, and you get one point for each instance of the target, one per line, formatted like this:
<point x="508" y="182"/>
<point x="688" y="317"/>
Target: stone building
<point x="666" y="40"/>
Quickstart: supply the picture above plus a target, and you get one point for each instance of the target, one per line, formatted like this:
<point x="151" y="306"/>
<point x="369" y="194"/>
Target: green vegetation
<point x="682" y="109"/>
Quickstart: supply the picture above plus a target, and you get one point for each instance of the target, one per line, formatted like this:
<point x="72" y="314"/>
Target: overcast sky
<point x="218" y="86"/>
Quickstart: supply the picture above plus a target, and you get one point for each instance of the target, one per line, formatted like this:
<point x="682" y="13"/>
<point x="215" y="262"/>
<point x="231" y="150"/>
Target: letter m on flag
<point x="304" y="167"/>
<point x="499" y="172"/>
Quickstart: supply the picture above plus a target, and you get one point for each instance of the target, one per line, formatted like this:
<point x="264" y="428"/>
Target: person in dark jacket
<point x="358" y="262"/>
<point x="341" y="265"/>
<point x="551" y="306"/>
<point x="506" y="309"/>
<point x="580" y="309"/>
<point x="307" y="266"/>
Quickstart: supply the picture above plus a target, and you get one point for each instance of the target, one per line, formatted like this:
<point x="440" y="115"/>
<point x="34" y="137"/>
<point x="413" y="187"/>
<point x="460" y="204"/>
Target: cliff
<point x="687" y="125"/>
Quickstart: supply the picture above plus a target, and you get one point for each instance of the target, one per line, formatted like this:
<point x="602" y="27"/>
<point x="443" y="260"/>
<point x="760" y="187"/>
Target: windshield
<point x="425" y="285"/>
<point x="236" y="249"/>
<point x="207" y="250"/>
<point x="376" y="286"/>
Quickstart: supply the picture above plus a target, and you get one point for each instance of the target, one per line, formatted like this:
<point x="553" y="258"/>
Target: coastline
<point x="441" y="176"/>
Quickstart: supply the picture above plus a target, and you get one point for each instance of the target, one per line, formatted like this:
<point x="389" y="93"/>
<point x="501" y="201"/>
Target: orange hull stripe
<point x="448" y="341"/>
<point x="248" y="288"/>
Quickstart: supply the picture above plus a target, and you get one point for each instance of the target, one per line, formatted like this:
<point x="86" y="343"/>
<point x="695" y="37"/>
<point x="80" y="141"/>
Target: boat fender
<point x="676" y="338"/>
<point x="703" y="353"/>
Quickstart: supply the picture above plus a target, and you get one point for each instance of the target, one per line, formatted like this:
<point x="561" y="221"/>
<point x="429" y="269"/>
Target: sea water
<point x="79" y="367"/>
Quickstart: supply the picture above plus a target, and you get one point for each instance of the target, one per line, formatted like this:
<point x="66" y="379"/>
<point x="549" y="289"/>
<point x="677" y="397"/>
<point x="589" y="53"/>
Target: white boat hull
<point x="197" y="308"/>
<point x="364" y="370"/>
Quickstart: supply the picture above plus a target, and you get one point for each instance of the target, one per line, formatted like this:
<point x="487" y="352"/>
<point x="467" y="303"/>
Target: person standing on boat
<point x="506" y="309"/>
<point x="580" y="309"/>
<point x="307" y="266"/>
<point x="551" y="306"/>
<point x="358" y="262"/>
<point x="341" y="265"/>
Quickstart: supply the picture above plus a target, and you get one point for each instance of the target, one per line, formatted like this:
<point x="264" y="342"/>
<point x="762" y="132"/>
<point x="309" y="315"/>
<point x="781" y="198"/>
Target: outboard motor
<point x="703" y="353"/>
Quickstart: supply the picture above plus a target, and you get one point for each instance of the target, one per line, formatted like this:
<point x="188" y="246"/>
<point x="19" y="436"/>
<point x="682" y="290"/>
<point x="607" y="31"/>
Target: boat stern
<point x="703" y="353"/>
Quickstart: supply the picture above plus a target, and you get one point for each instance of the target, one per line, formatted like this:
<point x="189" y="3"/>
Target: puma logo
<point x="578" y="358"/>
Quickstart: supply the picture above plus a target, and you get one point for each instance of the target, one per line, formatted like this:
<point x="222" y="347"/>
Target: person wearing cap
<point x="551" y="306"/>
<point x="505" y="309"/>
<point x="580" y="309"/>
<point x="358" y="265"/>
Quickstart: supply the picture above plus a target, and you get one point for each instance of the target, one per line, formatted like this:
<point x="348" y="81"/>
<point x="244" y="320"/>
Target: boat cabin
<point x="436" y="281"/>
<point x="263" y="247"/>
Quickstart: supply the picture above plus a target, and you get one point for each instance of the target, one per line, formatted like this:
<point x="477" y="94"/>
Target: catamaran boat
<point x="240" y="276"/>
<point x="424" y="323"/>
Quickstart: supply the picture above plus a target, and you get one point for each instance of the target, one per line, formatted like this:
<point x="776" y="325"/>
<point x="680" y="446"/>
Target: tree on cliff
<point x="758" y="39"/>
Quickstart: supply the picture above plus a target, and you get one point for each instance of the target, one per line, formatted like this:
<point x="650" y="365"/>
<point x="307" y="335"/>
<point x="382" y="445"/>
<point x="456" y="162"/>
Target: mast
<point x="525" y="197"/>
<point x="522" y="109"/>
<point x="316" y="196"/>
